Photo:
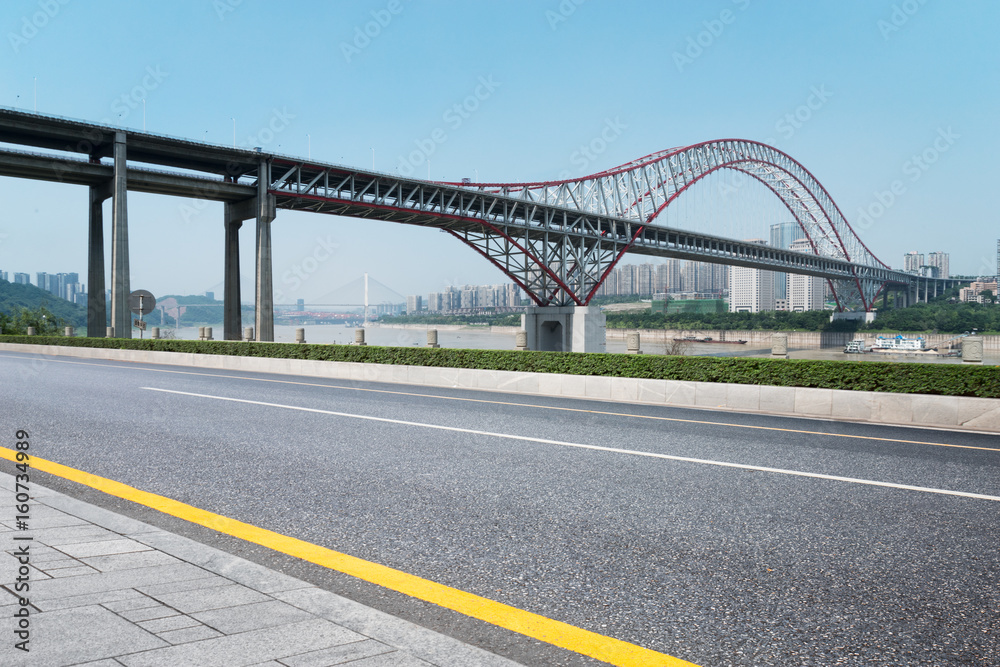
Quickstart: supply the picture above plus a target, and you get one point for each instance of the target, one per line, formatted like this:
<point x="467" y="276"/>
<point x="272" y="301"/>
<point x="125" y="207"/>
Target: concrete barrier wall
<point x="807" y="339"/>
<point x="975" y="414"/>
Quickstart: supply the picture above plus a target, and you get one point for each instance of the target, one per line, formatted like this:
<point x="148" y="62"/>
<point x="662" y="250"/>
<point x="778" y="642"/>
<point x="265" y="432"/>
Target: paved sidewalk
<point x="106" y="591"/>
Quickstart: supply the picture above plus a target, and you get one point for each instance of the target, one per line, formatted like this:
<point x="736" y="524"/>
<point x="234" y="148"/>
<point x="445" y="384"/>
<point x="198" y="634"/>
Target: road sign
<point x="141" y="302"/>
<point x="139" y="324"/>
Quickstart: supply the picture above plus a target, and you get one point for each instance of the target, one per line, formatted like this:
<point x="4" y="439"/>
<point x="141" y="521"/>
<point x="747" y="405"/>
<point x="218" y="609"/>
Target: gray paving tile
<point x="187" y="635"/>
<point x="60" y="564"/>
<point x="148" y="613"/>
<point x="129" y="561"/>
<point x="101" y="597"/>
<point x="246" y="648"/>
<point x="136" y="602"/>
<point x="232" y="567"/>
<point x="170" y="623"/>
<point x="109" y="581"/>
<point x="211" y="598"/>
<point x="57" y="537"/>
<point x="338" y="655"/>
<point x="98" y="515"/>
<point x="80" y="635"/>
<point x="426" y="644"/>
<point x="100" y="663"/>
<point x="103" y="548"/>
<point x="397" y="659"/>
<point x="205" y="581"/>
<point x="252" y="616"/>
<point x="72" y="572"/>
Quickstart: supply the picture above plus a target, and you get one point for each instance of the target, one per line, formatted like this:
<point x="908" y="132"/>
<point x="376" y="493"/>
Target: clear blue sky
<point x="894" y="77"/>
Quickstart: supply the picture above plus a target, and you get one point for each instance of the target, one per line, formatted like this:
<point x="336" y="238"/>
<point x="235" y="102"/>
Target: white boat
<point x="856" y="346"/>
<point x="899" y="344"/>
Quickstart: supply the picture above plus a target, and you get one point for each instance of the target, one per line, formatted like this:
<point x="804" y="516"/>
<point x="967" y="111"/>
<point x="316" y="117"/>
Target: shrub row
<point x="904" y="378"/>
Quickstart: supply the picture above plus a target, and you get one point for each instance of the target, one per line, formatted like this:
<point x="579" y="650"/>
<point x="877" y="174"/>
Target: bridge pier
<point x="266" y="206"/>
<point x="232" y="307"/>
<point x="121" y="316"/>
<point x="262" y="208"/>
<point x="97" y="309"/>
<point x="565" y="328"/>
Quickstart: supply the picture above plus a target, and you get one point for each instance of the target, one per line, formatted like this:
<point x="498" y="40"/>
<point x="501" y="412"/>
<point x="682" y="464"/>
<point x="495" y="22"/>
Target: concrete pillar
<point x="565" y="328"/>
<point x="208" y="333"/>
<point x="248" y="334"/>
<point x="109" y="332"/>
<point x="121" y="317"/>
<point x="97" y="310"/>
<point x="31" y="331"/>
<point x="432" y="338"/>
<point x="265" y="294"/>
<point x="779" y="345"/>
<point x="521" y="340"/>
<point x="68" y="332"/>
<point x="201" y="333"/>
<point x="300" y="336"/>
<point x="155" y="333"/>
<point x="632" y="343"/>
<point x="972" y="350"/>
<point x="232" y="315"/>
<point x="359" y="337"/>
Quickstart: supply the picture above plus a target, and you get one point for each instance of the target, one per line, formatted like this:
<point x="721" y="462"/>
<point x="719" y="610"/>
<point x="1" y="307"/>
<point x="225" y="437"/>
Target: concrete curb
<point x="950" y="412"/>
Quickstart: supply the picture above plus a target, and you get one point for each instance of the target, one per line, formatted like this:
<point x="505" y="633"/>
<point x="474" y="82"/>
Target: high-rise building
<point x="783" y="235"/>
<point x="413" y="304"/>
<point x="912" y="261"/>
<point x="22" y="279"/>
<point x="939" y="260"/>
<point x="751" y="290"/>
<point x="3" y="276"/>
<point x="805" y="292"/>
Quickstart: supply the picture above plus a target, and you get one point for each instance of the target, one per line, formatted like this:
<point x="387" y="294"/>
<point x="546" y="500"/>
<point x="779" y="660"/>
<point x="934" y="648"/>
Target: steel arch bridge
<point x="558" y="240"/>
<point x="641" y="190"/>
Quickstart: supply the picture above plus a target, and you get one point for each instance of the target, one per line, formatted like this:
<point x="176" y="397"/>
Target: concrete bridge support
<point x="262" y="208"/>
<point x="266" y="207"/>
<point x="97" y="310"/>
<point x="121" y="316"/>
<point x="565" y="328"/>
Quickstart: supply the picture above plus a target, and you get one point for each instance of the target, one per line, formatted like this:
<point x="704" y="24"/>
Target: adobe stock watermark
<point x="279" y="121"/>
<point x="913" y="169"/>
<point x="364" y="35"/>
<point x="703" y="40"/>
<point x="223" y="7"/>
<point x="787" y="126"/>
<point x="587" y="153"/>
<point x="900" y="16"/>
<point x="453" y="118"/>
<point x="35" y="22"/>
<point x="128" y="102"/>
<point x="302" y="270"/>
<point x="562" y="13"/>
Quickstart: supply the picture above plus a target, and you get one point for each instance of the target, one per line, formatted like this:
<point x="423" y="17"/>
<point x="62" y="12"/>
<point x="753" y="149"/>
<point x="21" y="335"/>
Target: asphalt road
<point x="710" y="563"/>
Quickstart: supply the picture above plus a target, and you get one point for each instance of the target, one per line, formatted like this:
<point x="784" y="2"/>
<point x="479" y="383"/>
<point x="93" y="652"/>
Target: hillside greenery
<point x="15" y="299"/>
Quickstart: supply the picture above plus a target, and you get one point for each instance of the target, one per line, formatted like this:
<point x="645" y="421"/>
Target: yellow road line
<point x="557" y="633"/>
<point x="544" y="407"/>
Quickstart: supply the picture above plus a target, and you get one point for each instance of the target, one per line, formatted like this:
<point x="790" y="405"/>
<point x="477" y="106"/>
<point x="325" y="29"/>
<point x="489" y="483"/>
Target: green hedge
<point x="904" y="378"/>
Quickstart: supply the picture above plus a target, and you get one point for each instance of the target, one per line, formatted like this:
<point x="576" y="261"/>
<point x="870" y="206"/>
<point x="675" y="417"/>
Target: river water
<point x="485" y="339"/>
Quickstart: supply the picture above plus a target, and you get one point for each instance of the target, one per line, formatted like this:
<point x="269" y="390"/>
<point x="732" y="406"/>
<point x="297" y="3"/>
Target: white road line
<point x="613" y="450"/>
